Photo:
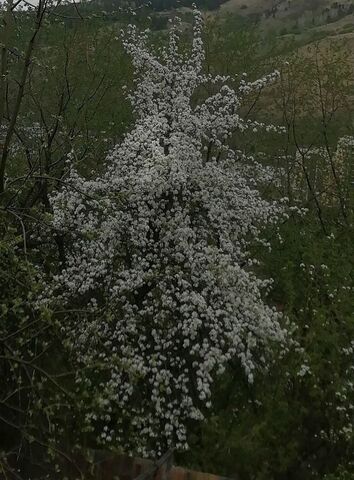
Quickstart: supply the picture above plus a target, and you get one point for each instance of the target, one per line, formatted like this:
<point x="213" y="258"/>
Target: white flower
<point x="159" y="243"/>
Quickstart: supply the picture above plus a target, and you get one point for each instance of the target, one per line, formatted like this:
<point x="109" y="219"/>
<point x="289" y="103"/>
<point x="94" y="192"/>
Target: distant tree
<point x="157" y="248"/>
<point x="313" y="156"/>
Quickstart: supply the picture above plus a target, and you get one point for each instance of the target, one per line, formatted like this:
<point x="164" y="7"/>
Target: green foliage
<point x="23" y="345"/>
<point x="296" y="421"/>
<point x="39" y="410"/>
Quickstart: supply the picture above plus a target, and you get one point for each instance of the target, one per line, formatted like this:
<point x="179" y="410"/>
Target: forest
<point x="176" y="237"/>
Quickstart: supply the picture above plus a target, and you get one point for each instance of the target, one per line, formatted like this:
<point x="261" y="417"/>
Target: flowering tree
<point x="157" y="247"/>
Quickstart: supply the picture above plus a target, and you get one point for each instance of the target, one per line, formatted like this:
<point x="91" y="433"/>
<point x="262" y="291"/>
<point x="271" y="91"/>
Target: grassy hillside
<point x="292" y="15"/>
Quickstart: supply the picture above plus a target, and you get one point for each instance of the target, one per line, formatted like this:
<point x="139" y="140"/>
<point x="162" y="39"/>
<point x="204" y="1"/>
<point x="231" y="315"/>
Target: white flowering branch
<point x="158" y="248"/>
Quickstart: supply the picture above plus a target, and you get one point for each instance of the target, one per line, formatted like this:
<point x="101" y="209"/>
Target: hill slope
<point x="291" y="13"/>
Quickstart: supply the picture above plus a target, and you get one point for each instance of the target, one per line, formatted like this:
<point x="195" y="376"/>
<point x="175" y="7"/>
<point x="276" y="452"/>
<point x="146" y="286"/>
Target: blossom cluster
<point x="158" y="249"/>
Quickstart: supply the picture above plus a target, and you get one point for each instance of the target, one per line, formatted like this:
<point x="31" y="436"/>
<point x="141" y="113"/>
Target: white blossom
<point x="158" y="246"/>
